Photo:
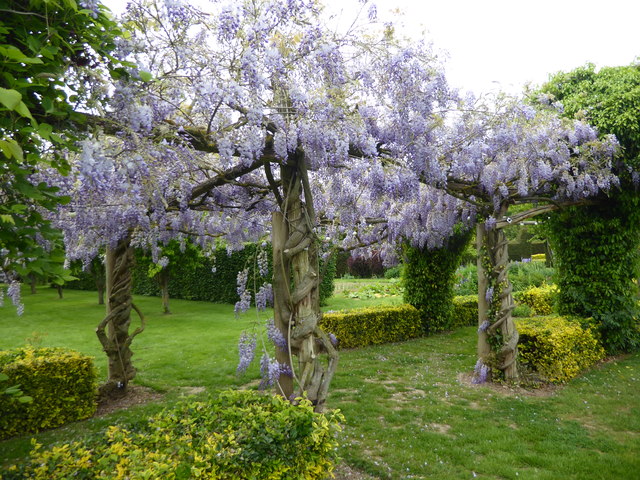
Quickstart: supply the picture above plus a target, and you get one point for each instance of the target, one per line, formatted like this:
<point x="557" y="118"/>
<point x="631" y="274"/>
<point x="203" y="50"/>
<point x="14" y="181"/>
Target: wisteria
<point x="246" y="352"/>
<point x="275" y="335"/>
<point x="255" y="117"/>
<point x="480" y="373"/>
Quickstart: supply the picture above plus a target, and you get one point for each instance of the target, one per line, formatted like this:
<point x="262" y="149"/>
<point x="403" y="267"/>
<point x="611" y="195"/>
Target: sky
<point x="491" y="45"/>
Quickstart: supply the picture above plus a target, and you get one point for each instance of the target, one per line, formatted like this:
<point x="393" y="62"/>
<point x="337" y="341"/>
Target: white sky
<point x="505" y="44"/>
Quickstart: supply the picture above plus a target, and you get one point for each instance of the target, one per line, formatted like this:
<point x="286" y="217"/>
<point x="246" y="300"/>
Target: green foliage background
<point x="192" y="276"/>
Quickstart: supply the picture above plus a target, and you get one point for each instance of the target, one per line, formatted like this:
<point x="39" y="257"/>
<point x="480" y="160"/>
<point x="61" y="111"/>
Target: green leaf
<point x="10" y="98"/>
<point x="10" y="148"/>
<point x="47" y="104"/>
<point x="7" y="219"/>
<point x="25" y="399"/>
<point x="23" y="110"/>
<point x="145" y="76"/>
<point x="14" y="53"/>
<point x="45" y="130"/>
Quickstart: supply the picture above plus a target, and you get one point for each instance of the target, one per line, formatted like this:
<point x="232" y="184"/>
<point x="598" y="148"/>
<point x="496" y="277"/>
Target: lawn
<point x="410" y="411"/>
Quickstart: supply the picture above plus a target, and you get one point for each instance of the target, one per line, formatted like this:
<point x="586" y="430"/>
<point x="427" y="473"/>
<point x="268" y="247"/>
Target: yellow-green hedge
<point x="539" y="257"/>
<point x="465" y="311"/>
<point x="235" y="435"/>
<point x="556" y="348"/>
<point x="376" y="325"/>
<point x="540" y="299"/>
<point x="61" y="382"/>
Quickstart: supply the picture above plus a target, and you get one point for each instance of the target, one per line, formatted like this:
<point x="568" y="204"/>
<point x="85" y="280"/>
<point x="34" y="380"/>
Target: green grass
<point x="409" y="413"/>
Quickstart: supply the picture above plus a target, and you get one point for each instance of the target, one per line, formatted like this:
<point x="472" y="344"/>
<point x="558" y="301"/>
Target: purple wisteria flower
<point x="484" y="326"/>
<point x="246" y="352"/>
<point x="13" y="292"/>
<point x="244" y="303"/>
<point x="269" y="371"/>
<point x="263" y="262"/>
<point x="480" y="373"/>
<point x="91" y="5"/>
<point x="264" y="297"/>
<point x="275" y="335"/>
<point x="488" y="295"/>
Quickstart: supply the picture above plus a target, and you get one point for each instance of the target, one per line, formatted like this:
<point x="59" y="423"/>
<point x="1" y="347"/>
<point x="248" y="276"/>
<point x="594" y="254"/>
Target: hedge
<point x="465" y="311"/>
<point x="541" y="300"/>
<point x="62" y="384"/>
<point x="376" y="325"/>
<point x="235" y="435"/>
<point x="192" y="275"/>
<point x="556" y="348"/>
<point x="429" y="277"/>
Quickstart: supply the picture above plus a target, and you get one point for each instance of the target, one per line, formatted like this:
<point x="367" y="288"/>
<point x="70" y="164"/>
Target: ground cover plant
<point x="409" y="407"/>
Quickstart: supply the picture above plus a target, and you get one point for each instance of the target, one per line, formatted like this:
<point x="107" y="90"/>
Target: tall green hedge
<point x="597" y="266"/>
<point x="192" y="276"/>
<point x="429" y="280"/>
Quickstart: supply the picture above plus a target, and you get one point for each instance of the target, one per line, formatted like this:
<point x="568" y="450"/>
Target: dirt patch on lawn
<point x="528" y="389"/>
<point x="345" y="472"/>
<point x="136" y="395"/>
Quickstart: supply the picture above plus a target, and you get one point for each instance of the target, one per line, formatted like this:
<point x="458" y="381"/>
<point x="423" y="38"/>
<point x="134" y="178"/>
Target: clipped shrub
<point x="327" y="278"/>
<point x="465" y="311"/>
<point x="236" y="435"/>
<point x="597" y="258"/>
<point x="541" y="300"/>
<point x="429" y="277"/>
<point x="61" y="383"/>
<point x="376" y="325"/>
<point x="556" y="348"/>
<point x="539" y="257"/>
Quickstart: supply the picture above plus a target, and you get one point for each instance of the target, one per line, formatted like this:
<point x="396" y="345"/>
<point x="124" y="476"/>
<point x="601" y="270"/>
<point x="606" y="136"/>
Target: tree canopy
<point x="50" y="51"/>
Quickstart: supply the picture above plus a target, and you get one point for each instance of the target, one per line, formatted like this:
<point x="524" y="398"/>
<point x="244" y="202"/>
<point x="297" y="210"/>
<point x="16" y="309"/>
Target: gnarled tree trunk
<point x="113" y="330"/>
<point x="497" y="334"/>
<point x="296" y="290"/>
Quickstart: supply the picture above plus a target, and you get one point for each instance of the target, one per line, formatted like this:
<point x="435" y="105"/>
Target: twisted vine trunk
<point x="113" y="330"/>
<point x="296" y="290"/>
<point x="497" y="333"/>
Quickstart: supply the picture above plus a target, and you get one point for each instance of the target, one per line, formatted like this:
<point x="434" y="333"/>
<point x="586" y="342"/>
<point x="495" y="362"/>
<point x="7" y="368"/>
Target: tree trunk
<point x="296" y="286"/>
<point x="163" y="281"/>
<point x="33" y="283"/>
<point x="99" y="275"/>
<point x="113" y="331"/>
<point x="498" y="338"/>
<point x="60" y="294"/>
<point x="100" y="294"/>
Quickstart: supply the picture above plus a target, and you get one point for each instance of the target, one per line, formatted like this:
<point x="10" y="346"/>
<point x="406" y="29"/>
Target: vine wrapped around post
<point x="498" y="336"/>
<point x="113" y="330"/>
<point x="296" y="291"/>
